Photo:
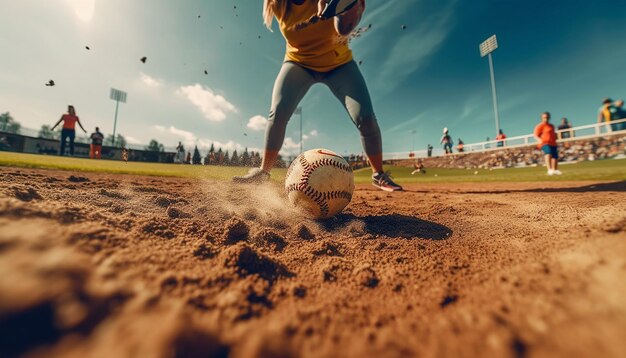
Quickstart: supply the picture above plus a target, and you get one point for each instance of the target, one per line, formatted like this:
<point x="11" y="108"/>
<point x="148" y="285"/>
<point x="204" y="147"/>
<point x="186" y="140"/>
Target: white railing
<point x="576" y="133"/>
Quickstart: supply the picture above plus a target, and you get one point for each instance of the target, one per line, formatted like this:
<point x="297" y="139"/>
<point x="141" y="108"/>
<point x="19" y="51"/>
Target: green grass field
<point x="596" y="170"/>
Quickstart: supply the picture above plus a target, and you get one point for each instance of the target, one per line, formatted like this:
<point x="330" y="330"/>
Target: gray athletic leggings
<point x="346" y="83"/>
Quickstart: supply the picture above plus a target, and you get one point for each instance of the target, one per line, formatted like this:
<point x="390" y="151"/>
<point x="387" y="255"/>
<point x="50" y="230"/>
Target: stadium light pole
<point x="118" y="96"/>
<point x="486" y="48"/>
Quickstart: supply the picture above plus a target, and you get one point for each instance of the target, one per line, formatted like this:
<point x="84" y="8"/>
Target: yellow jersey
<point x="317" y="47"/>
<point x="606" y="113"/>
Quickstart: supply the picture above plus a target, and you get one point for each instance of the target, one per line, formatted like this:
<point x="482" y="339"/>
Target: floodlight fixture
<point x="486" y="48"/>
<point x="118" y="96"/>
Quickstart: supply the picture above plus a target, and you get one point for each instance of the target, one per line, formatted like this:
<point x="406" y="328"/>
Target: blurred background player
<point x="180" y="153"/>
<point x="606" y="114"/>
<point x="546" y="137"/>
<point x="446" y="140"/>
<point x="69" y="120"/>
<point x="124" y="153"/>
<point x="460" y="146"/>
<point x="314" y="55"/>
<point x="500" y="138"/>
<point x="419" y="167"/>
<point x="564" y="133"/>
<point x="95" y="149"/>
<point x="619" y="113"/>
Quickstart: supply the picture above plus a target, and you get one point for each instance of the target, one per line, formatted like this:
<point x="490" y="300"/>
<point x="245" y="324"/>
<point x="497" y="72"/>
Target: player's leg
<point x="92" y="151"/>
<point x="348" y="85"/>
<point x="63" y="139"/>
<point x="72" y="136"/>
<point x="547" y="156"/>
<point x="99" y="151"/>
<point x="548" y="160"/>
<point x="555" y="161"/>
<point x="292" y="83"/>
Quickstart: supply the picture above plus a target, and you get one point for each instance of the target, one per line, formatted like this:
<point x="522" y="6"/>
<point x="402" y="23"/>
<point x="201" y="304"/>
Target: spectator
<point x="620" y="113"/>
<point x="125" y="153"/>
<point x="459" y="147"/>
<point x="500" y="138"/>
<point x="487" y="145"/>
<point x="95" y="149"/>
<point x="180" y="153"/>
<point x="564" y="133"/>
<point x="429" y="150"/>
<point x="605" y="112"/>
<point x="68" y="132"/>
<point x="446" y="140"/>
<point x="546" y="137"/>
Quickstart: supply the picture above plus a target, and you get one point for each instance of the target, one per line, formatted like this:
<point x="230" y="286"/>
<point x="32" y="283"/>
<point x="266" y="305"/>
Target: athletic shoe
<point x="550" y="172"/>
<point x="383" y="182"/>
<point x="556" y="172"/>
<point x="254" y="176"/>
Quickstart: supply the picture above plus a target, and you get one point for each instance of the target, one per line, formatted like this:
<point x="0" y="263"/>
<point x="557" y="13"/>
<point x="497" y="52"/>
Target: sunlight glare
<point x="84" y="9"/>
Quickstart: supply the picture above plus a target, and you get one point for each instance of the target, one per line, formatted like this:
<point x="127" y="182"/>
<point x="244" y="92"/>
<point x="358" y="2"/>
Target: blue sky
<point x="562" y="56"/>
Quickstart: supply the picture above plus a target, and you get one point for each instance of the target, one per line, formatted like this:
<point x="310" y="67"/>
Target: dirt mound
<point x="76" y="179"/>
<point x="114" y="265"/>
<point x="26" y="193"/>
<point x="246" y="261"/>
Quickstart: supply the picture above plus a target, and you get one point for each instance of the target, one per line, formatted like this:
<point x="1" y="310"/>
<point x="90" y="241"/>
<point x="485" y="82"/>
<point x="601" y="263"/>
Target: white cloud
<point x="213" y="106"/>
<point x="309" y="135"/>
<point x="290" y="147"/>
<point x="290" y="144"/>
<point x="257" y="123"/>
<point x="132" y="140"/>
<point x="150" y="81"/>
<point x="186" y="137"/>
<point x="190" y="140"/>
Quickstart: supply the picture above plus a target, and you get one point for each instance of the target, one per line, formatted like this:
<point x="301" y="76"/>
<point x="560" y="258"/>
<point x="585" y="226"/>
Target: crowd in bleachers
<point x="610" y="146"/>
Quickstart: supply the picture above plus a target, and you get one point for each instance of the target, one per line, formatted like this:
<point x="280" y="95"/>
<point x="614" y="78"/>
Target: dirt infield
<point x="128" y="266"/>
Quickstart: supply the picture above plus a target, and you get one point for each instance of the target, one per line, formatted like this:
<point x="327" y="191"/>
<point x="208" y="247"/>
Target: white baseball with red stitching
<point x="320" y="182"/>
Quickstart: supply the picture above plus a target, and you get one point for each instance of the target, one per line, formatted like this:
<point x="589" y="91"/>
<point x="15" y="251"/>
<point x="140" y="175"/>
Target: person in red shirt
<point x="69" y="123"/>
<point x="500" y="138"/>
<point x="546" y="137"/>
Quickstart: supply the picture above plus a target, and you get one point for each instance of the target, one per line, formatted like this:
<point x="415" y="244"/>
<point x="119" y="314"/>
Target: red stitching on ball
<point x="320" y="198"/>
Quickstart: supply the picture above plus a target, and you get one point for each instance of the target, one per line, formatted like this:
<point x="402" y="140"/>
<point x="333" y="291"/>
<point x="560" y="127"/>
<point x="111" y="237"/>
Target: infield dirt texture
<point x="100" y="265"/>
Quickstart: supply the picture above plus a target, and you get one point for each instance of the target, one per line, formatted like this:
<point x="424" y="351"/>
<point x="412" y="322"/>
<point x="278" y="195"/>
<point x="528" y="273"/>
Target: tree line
<point x="222" y="157"/>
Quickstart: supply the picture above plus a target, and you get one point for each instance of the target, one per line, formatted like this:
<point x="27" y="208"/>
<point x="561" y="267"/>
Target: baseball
<point x="320" y="182"/>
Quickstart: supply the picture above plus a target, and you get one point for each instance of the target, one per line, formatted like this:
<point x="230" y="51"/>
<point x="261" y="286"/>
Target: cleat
<point x="550" y="172"/>
<point x="383" y="182"/>
<point x="254" y="176"/>
<point x="556" y="172"/>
